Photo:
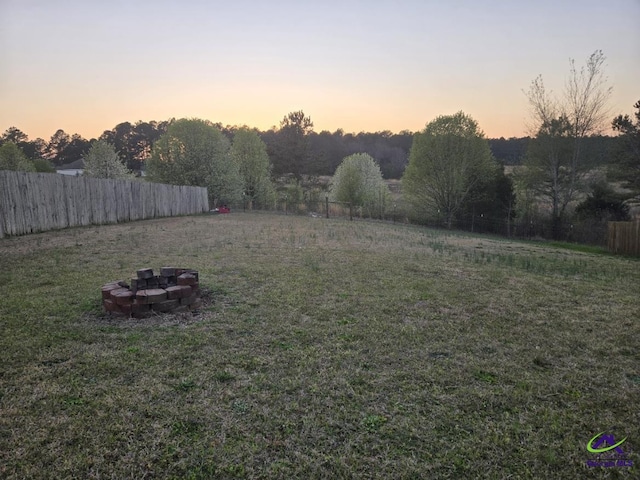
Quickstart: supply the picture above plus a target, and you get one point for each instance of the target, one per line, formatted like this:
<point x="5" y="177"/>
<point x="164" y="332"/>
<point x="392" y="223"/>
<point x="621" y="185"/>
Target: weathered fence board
<point x="36" y="202"/>
<point x="624" y="237"/>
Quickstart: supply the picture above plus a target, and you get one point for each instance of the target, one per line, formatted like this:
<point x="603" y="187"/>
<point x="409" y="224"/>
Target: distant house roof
<point x="74" y="172"/>
<point x="77" y="165"/>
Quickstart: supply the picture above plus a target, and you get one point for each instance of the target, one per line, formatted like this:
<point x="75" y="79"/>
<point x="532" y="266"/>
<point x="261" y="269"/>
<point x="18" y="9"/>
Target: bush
<point x="194" y="152"/>
<point x="102" y="161"/>
<point x="12" y="158"/>
<point x="358" y="181"/>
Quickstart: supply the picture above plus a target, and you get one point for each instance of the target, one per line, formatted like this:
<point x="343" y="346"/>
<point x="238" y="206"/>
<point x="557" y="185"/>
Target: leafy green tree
<point x="509" y="151"/>
<point x="249" y="153"/>
<point x="35" y="149"/>
<point x="604" y="204"/>
<point x="63" y="149"/>
<point x="358" y="181"/>
<point x="32" y="149"/>
<point x="505" y="199"/>
<point x="555" y="160"/>
<point x="56" y="146"/>
<point x="102" y="161"/>
<point x="78" y="147"/>
<point x="448" y="159"/>
<point x="490" y="205"/>
<point x="194" y="152"/>
<point x="44" y="166"/>
<point x="121" y="137"/>
<point x="590" y="221"/>
<point x="291" y="148"/>
<point x="133" y="142"/>
<point x="12" y="158"/>
<point x="292" y="194"/>
<point x="626" y="164"/>
<point x="15" y="135"/>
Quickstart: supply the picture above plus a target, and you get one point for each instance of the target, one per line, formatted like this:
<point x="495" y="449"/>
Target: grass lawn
<point x="326" y="349"/>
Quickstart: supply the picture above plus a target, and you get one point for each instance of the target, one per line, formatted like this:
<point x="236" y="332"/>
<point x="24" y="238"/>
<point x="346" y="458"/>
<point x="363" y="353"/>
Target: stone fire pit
<point x="175" y="290"/>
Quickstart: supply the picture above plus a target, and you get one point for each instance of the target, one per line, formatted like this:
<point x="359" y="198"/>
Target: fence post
<point x="326" y="202"/>
<point x="285" y="204"/>
<point x="350" y="212"/>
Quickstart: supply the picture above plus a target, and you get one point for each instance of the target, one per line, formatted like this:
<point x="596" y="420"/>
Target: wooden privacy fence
<point x="624" y="237"/>
<point x="36" y="202"/>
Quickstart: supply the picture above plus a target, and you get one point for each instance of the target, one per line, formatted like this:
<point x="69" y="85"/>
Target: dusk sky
<point x="85" y="66"/>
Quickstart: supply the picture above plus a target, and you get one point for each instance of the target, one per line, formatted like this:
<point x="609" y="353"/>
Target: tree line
<point x="326" y="150"/>
<point x="451" y="174"/>
<point x="323" y="150"/>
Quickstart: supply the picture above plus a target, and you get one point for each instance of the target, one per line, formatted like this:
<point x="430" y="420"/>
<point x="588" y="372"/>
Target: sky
<point x="85" y="66"/>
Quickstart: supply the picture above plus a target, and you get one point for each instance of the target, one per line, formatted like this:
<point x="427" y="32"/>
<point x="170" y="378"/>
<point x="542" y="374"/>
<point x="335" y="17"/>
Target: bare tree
<point x="554" y="161"/>
<point x="587" y="95"/>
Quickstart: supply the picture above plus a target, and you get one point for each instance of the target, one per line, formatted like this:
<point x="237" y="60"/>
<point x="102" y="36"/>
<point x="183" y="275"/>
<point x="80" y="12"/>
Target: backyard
<point x="325" y="349"/>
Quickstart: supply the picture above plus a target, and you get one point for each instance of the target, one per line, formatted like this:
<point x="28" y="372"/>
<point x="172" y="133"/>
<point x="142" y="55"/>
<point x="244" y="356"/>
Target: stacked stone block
<point x="175" y="290"/>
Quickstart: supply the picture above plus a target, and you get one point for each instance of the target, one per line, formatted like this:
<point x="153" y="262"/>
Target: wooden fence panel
<point x="30" y="217"/>
<point x="123" y="201"/>
<point x="36" y="202"/>
<point x="161" y="202"/>
<point x="136" y="213"/>
<point x="624" y="237"/>
<point x="98" y="202"/>
<point x="111" y="206"/>
<point x="56" y="194"/>
<point x="25" y="222"/>
<point x="84" y="209"/>
<point x="73" y="194"/>
<point x="6" y="207"/>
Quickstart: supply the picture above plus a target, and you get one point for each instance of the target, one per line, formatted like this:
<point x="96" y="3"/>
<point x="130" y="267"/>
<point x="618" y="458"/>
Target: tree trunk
<point x="556" y="227"/>
<point x="473" y="217"/>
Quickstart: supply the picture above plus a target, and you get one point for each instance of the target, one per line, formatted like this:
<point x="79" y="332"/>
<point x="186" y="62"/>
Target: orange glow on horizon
<point x="383" y="72"/>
